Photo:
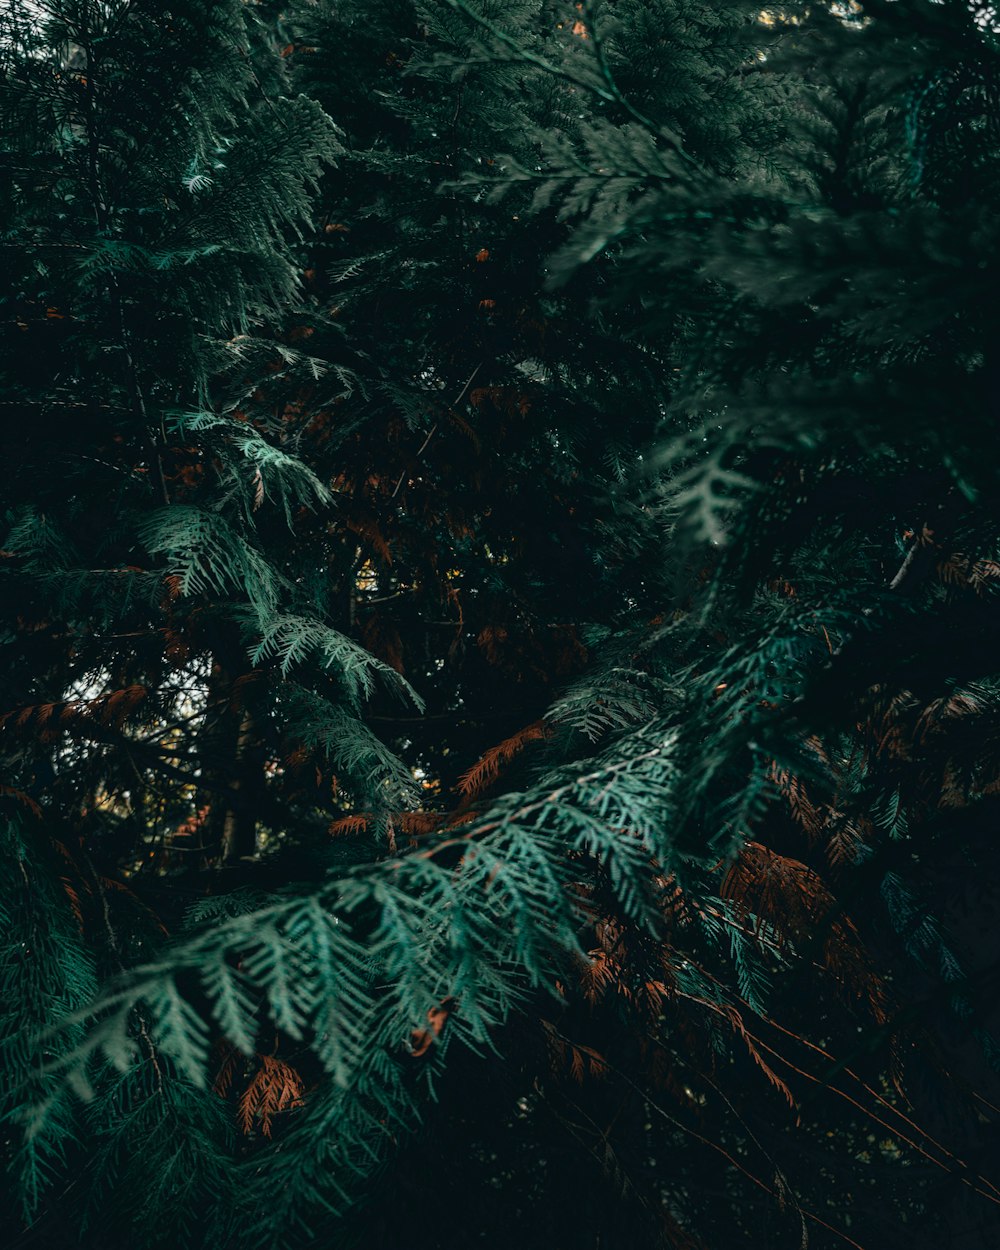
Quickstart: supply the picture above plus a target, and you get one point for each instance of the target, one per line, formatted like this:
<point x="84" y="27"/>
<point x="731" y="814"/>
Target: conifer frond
<point x="294" y="639"/>
<point x="283" y="478"/>
<point x="487" y="769"/>
<point x="209" y="557"/>
<point x="274" y="1088"/>
<point x="47" y="974"/>
<point x="383" y="781"/>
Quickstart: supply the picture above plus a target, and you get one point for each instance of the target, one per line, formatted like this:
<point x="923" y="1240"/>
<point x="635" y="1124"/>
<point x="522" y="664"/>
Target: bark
<point x="233" y="758"/>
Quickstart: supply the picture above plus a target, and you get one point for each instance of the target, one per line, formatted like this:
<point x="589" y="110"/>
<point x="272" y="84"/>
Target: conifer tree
<point x="156" y="171"/>
<point x="600" y="398"/>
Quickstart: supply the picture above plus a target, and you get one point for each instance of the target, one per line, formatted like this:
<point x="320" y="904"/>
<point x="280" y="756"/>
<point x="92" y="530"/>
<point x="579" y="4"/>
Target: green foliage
<point x="294" y="639"/>
<point x="207" y="555"/>
<point x="48" y="975"/>
<point x="274" y="473"/>
<point x="604" y="395"/>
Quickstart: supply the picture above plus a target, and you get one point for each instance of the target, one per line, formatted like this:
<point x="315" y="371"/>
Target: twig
<point x="433" y="430"/>
<point x="116" y="951"/>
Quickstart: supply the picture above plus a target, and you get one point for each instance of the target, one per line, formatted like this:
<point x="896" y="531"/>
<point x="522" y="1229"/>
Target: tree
<point x="624" y="339"/>
<point x="156" y="172"/>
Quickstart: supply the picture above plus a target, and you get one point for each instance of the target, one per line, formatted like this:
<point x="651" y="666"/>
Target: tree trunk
<point x="234" y="762"/>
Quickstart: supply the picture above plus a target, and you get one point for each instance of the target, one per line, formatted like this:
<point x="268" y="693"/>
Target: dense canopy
<point x="499" y="695"/>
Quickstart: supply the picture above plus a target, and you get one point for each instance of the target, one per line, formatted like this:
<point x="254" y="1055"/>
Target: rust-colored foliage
<point x="413" y="824"/>
<point x="777" y="891"/>
<point x="961" y="571"/>
<point x="19" y="796"/>
<point x="789" y="902"/>
<point x="804" y="812"/>
<point x="383" y="640"/>
<point x="193" y="823"/>
<point x="509" y="401"/>
<point x="275" y="1087"/>
<point x="111" y="709"/>
<point x="368" y="530"/>
<point x="581" y="1060"/>
<point x="423" y="1039"/>
<point x="487" y="769"/>
<point x="356" y="823"/>
<point x="74" y="901"/>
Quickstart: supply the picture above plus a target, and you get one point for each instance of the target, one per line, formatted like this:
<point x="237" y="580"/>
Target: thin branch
<point x="423" y="446"/>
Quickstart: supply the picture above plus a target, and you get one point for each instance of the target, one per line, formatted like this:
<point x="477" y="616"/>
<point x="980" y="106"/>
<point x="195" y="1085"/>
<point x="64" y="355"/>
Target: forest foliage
<point x="499" y="710"/>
